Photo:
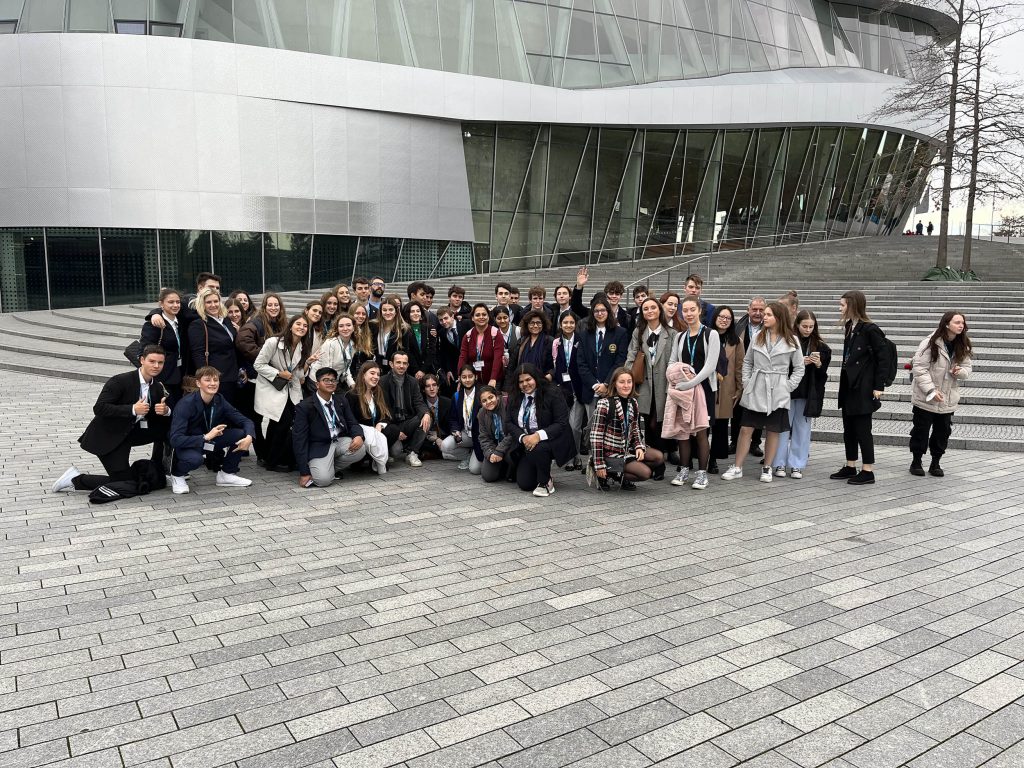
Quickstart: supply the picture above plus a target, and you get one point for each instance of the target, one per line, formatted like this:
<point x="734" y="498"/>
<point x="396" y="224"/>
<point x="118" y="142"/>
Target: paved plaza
<point x="426" y="619"/>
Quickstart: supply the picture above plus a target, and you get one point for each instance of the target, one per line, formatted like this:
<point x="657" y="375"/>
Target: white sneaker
<point x="464" y="464"/>
<point x="413" y="460"/>
<point x="780" y="471"/>
<point x="733" y="473"/>
<point x="681" y="476"/>
<point x="796" y="474"/>
<point x="64" y="482"/>
<point x="702" y="480"/>
<point x="541" y="492"/>
<point x="551" y="487"/>
<point x="381" y="467"/>
<point x="226" y="478"/>
<point x="179" y="484"/>
<point x="766" y="474"/>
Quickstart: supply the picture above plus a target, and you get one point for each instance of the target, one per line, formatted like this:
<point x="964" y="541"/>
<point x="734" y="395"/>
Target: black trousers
<point x="413" y="431"/>
<point x="534" y="467"/>
<point x="245" y="401"/>
<point x="117" y="464"/>
<point x="857" y="435"/>
<point x="720" y="439"/>
<point x="939" y="424"/>
<point x="492" y="473"/>
<point x="279" y="438"/>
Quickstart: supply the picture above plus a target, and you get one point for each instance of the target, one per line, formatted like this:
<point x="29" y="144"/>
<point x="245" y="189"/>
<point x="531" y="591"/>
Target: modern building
<point x="294" y="143"/>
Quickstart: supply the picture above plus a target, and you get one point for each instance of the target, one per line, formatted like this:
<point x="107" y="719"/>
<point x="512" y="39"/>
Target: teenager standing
<point x="807" y="399"/>
<point x="647" y="359"/>
<point x="730" y="384"/>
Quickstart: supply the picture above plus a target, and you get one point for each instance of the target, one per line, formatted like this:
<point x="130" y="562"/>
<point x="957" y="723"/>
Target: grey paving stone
<point x="820" y="746"/>
<point x="1002" y="728"/>
<point x="756" y="737"/>
<point x="388" y="726"/>
<point x="963" y="751"/>
<point x="563" y="750"/>
<point x="635" y="722"/>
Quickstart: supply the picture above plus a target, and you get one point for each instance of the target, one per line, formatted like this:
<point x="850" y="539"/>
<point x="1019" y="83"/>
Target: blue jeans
<point x="795" y="445"/>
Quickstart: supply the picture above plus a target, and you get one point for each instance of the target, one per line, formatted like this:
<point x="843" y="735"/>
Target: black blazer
<point x="357" y="413"/>
<point x="440" y="419"/>
<point x="412" y="400"/>
<point x="863" y="369"/>
<point x="572" y="389"/>
<point x="812" y="386"/>
<point x="166" y="340"/>
<point x="395" y="342"/>
<point x="552" y="417"/>
<point x="113" y="417"/>
<point x="545" y="362"/>
<point x="576" y="302"/>
<point x="422" y="356"/>
<point x="222" y="352"/>
<point x="595" y="368"/>
<point x="311" y="434"/>
<point x="448" y="351"/>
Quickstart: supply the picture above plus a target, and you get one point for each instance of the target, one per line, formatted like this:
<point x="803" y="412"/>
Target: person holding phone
<point x="205" y="427"/>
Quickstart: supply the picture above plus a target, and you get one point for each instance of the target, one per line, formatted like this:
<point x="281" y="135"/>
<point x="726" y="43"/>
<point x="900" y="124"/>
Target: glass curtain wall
<point x="54" y="267"/>
<point x="582" y="44"/>
<point x="549" y="194"/>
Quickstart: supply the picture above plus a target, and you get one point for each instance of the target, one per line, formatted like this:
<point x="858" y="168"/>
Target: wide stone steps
<point x="985" y="437"/>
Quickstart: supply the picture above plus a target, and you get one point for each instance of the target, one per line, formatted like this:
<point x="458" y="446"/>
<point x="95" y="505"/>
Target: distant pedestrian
<point x="942" y="361"/>
<point x="931" y="228"/>
<point x="919" y="228"/>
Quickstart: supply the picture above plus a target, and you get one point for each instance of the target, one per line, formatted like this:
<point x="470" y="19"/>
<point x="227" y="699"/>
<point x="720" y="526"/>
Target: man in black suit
<point x="131" y="410"/>
<point x="408" y="411"/>
<point x="449" y="343"/>
<point x="325" y="434"/>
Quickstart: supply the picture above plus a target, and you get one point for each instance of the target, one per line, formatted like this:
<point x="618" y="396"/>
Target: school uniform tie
<point x="600" y="341"/>
<point x="527" y="413"/>
<point x="334" y="419"/>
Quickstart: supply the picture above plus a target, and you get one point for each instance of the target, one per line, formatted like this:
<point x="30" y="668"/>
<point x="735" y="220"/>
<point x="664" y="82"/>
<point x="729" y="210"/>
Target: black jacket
<point x="311" y="434"/>
<point x="188" y="421"/>
<point x="166" y="340"/>
<point x="423" y="355"/>
<point x="576" y="302"/>
<point x="441" y="418"/>
<point x="863" y="369"/>
<point x="113" y="413"/>
<point x="448" y="351"/>
<point x="595" y="368"/>
<point x="411" y="403"/>
<point x="542" y="351"/>
<point x="552" y="417"/>
<point x="212" y="343"/>
<point x="812" y="386"/>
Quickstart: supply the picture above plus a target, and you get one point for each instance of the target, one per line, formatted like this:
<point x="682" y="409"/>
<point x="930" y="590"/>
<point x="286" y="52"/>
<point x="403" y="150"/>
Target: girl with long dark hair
<point x="617" y="445"/>
<point x="169" y="339"/>
<point x="730" y="383"/>
<point x="806" y="400"/>
<point x="370" y="406"/>
<point x="539" y="421"/>
<point x="496" y="444"/>
<point x="942" y="361"/>
<point x="534" y="345"/>
<point x="482" y="348"/>
<point x="421" y="346"/>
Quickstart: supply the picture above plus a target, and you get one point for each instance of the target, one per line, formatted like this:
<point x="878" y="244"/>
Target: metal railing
<point x="700" y="250"/>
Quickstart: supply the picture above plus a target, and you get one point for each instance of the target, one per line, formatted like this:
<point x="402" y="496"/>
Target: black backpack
<point x="890" y="360"/>
<point x="147" y="476"/>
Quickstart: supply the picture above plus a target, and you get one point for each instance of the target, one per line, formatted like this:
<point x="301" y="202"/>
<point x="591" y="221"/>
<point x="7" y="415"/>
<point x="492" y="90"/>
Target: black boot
<point x="844" y="473"/>
<point x="862" y="478"/>
<point x="713" y="467"/>
<point x="658" y="473"/>
<point x="915" y="466"/>
<point x="934" y="469"/>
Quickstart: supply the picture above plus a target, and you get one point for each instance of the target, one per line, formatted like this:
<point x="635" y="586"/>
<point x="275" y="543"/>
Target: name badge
<point x="478" y="365"/>
<point x="208" y="447"/>
<point x="143" y="424"/>
<point x="566" y="378"/>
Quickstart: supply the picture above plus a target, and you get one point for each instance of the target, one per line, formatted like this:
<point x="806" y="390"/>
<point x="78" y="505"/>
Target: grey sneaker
<point x="702" y="480"/>
<point x="681" y="476"/>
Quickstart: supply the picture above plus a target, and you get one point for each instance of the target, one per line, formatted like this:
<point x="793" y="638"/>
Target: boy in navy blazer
<point x="325" y="434"/>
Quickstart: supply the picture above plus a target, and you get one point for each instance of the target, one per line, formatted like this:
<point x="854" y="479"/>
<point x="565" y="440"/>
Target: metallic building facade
<point x="294" y="143"/>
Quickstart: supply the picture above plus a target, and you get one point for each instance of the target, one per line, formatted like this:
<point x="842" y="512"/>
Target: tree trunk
<point x="942" y="257"/>
<point x="972" y="187"/>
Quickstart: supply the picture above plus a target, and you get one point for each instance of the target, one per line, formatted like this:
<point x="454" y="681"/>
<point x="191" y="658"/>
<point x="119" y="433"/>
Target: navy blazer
<point x="596" y="367"/>
<point x="457" y="424"/>
<point x="188" y="420"/>
<point x="113" y="417"/>
<point x="166" y="340"/>
<point x="574" y="386"/>
<point x="552" y="417"/>
<point x="219" y="340"/>
<point x="311" y="434"/>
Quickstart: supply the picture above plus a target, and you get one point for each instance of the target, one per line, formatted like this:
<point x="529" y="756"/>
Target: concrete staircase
<point x="86" y="344"/>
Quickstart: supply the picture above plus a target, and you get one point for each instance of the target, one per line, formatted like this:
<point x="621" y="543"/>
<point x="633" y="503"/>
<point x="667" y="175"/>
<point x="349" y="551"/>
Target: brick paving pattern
<point x="428" y="620"/>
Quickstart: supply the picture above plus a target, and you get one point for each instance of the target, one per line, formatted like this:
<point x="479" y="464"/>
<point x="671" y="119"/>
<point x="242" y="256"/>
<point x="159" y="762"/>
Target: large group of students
<point x="361" y="378"/>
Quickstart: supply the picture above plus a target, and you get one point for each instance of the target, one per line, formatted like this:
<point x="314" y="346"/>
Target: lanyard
<point x="691" y="346"/>
<point x="209" y="418"/>
<point x="331" y="416"/>
<point x="467" y="407"/>
<point x="567" y="351"/>
<point x="498" y="434"/>
<point x="479" y="346"/>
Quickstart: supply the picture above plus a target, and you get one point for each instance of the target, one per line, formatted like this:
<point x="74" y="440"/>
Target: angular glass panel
<point x="360" y="30"/>
<point x="424" y="33"/>
<point x="392" y="37"/>
<point x="707" y="219"/>
<point x="558" y="27"/>
<point x="75" y="269"/>
<point x="689" y="52"/>
<point x="796" y="161"/>
<point x="697" y="11"/>
<point x="171" y="11"/>
<point x="620" y="235"/>
<point x="501" y="224"/>
<point x="648" y="10"/>
<point x="667" y="224"/>
<point x="130" y="265"/>
<point x="455" y="20"/>
<point x="613" y="153"/>
<point x="658" y="147"/>
<point x="289" y="25"/>
<point x="482" y="226"/>
<point x="214" y="21"/>
<point x="44" y="16"/>
<point x="624" y="8"/>
<point x="131" y="9"/>
<point x="524" y="244"/>
<point x="568" y="144"/>
<point x="575" y="235"/>
<point x="485" y="41"/>
<point x="8" y="27"/>
<point x="89" y="16"/>
<point x="334" y="257"/>
<point x="514" y="151"/>
<point x="511" y="53"/>
<point x="616" y="74"/>
<point x="845" y="163"/>
<point x="533" y="24"/>
<point x="696" y="157"/>
<point x="326" y="26"/>
<point x="772" y="175"/>
<point x="581" y="74"/>
<point x="734" y="190"/>
<point x="671" y="65"/>
<point x="761" y="26"/>
<point x="756" y="55"/>
<point x="540" y="69"/>
<point x="582" y="40"/>
<point x="532" y="198"/>
<point x="238" y="259"/>
<point x="183" y="255"/>
<point x="22" y="269"/>
<point x="823" y="178"/>
<point x="706" y="43"/>
<point x="11" y="10"/>
<point x="252" y="19"/>
<point x="650" y="42"/>
<point x="721" y="17"/>
<point x="129" y="27"/>
<point x="760" y="172"/>
<point x="377" y="256"/>
<point x="162" y="29"/>
<point x="886" y="58"/>
<point x="478" y="145"/>
<point x="610" y="46"/>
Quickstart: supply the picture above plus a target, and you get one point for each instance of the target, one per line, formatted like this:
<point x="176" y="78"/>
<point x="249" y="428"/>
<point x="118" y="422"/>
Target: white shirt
<point x="332" y="423"/>
<point x="543" y="435"/>
<point x="143" y="395"/>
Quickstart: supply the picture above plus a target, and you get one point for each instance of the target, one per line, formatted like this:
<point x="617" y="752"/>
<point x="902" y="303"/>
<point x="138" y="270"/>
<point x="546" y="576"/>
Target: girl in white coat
<point x="772" y="369"/>
<point x="281" y="367"/>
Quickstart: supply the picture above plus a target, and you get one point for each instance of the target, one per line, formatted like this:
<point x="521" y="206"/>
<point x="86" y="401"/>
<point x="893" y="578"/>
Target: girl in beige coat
<point x="942" y="361"/>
